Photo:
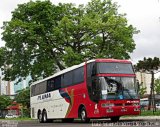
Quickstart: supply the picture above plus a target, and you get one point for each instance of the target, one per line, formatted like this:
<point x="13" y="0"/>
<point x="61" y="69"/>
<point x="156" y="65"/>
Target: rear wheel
<point x="115" y="119"/>
<point x="83" y="115"/>
<point x="40" y="117"/>
<point x="44" y="117"/>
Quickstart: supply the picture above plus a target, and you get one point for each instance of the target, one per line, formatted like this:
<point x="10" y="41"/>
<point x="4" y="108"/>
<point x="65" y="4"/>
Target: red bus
<point x="100" y="88"/>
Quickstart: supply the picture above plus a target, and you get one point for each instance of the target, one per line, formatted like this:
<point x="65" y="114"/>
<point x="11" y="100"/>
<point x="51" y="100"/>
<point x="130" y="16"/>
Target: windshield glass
<point x="118" y="88"/>
<point x="114" y="68"/>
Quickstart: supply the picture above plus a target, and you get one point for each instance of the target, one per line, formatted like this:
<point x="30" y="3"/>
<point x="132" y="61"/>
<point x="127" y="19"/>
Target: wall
<point x="145" y="80"/>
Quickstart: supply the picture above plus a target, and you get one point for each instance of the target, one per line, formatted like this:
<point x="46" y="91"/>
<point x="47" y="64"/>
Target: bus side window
<point x="42" y="87"/>
<point x="57" y="82"/>
<point x="91" y="69"/>
<point x="33" y="90"/>
<point x="94" y="70"/>
<point x="50" y="85"/>
<point x="95" y="89"/>
<point x="67" y="79"/>
<point x="78" y="75"/>
<point x="89" y="79"/>
<point x="54" y="83"/>
<point x="92" y="84"/>
<point x="36" y="89"/>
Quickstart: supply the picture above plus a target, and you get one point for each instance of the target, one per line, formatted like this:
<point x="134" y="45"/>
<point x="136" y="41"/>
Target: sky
<point x="142" y="14"/>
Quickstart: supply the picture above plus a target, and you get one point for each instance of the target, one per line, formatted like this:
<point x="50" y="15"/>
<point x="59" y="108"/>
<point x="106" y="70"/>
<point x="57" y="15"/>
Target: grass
<point x="146" y="113"/>
<point x="19" y="118"/>
<point x="150" y="113"/>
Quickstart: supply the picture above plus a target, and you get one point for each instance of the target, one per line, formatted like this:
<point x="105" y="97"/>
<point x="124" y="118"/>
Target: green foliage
<point x="41" y="36"/>
<point x="3" y="56"/>
<point x="150" y="113"/>
<point x="142" y="91"/>
<point x="5" y="101"/>
<point x="23" y="97"/>
<point x="148" y="64"/>
<point x="157" y="86"/>
<point x="112" y="36"/>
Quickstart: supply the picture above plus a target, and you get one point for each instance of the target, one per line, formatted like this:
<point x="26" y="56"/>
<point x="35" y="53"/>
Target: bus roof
<point x="80" y="65"/>
<point x="113" y="60"/>
<point x="60" y="72"/>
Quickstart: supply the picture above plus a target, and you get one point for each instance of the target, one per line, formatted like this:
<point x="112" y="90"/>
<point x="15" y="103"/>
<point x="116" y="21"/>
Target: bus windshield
<point x="114" y="68"/>
<point x="118" y="88"/>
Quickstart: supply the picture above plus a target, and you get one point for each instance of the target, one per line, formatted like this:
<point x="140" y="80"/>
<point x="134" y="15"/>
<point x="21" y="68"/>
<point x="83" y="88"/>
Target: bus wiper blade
<point x="129" y="94"/>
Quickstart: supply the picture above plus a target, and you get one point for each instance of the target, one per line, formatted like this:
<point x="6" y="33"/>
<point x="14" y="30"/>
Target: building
<point x="144" y="80"/>
<point x="11" y="87"/>
<point x="6" y="87"/>
<point x="22" y="84"/>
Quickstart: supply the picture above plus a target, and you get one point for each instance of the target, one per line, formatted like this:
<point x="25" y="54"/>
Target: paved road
<point x="76" y="123"/>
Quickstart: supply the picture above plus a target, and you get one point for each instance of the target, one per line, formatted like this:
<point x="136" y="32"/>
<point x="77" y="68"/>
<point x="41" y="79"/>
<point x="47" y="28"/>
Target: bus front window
<point x="118" y="88"/>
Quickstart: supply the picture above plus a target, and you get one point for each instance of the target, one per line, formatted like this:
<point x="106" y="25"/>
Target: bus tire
<point x="44" y="117"/>
<point x="40" y="117"/>
<point x="115" y="119"/>
<point x="83" y="115"/>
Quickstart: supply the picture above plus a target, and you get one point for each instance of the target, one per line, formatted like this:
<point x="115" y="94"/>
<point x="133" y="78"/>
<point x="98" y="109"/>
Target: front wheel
<point x="83" y="115"/>
<point x="115" y="119"/>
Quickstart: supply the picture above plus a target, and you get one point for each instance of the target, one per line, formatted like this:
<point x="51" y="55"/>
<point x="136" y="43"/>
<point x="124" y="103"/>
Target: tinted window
<point x="91" y="69"/>
<point x="50" y="85"/>
<point x="78" y="75"/>
<point x="67" y="80"/>
<point x="123" y="68"/>
<point x="42" y="87"/>
<point x="33" y="90"/>
<point x="36" y="89"/>
<point x="39" y="88"/>
<point x="57" y="82"/>
<point x="54" y="84"/>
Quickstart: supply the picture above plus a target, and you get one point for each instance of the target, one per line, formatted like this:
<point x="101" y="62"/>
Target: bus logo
<point x="44" y="96"/>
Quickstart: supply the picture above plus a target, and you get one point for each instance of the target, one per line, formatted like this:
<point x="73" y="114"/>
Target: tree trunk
<point x="151" y="96"/>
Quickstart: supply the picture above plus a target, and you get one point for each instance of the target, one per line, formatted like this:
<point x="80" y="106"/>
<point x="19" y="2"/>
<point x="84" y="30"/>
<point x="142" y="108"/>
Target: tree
<point x="5" y="101"/>
<point x="2" y="56"/>
<point x="149" y="66"/>
<point x="157" y="86"/>
<point x="23" y="97"/>
<point x="142" y="91"/>
<point x="42" y="37"/>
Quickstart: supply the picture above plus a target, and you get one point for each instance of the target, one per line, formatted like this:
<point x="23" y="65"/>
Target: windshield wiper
<point x="128" y="94"/>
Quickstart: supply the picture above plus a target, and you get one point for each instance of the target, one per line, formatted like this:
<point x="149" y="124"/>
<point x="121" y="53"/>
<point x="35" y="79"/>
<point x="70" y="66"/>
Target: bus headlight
<point x="135" y="104"/>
